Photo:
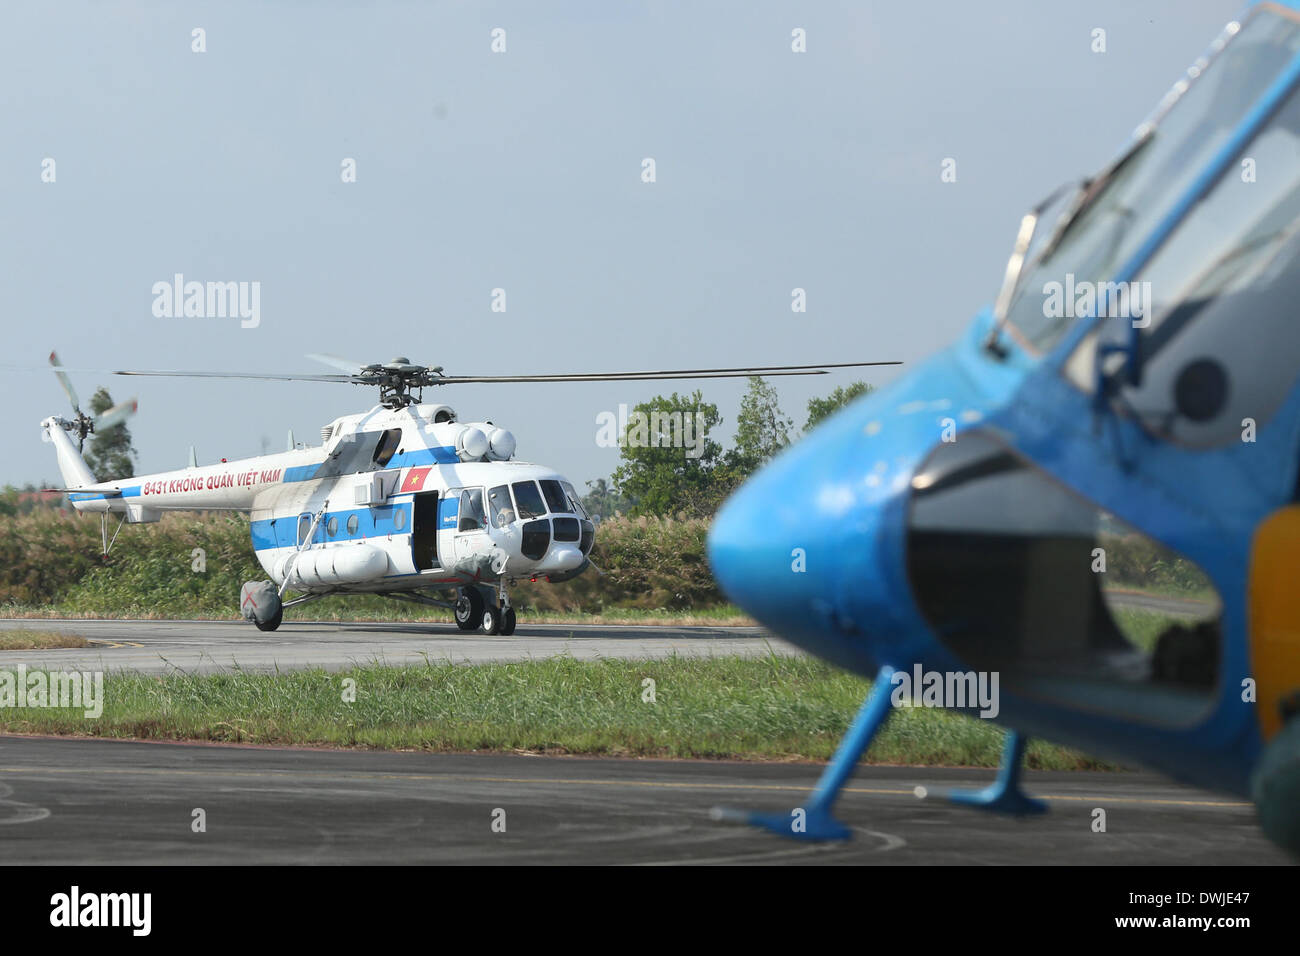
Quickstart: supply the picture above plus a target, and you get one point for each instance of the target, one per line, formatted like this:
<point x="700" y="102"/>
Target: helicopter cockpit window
<point x="556" y="499"/>
<point x="575" y="503"/>
<point x="500" y="505"/>
<point x="387" y="447"/>
<point x="529" y="499"/>
<point x="1221" y="342"/>
<point x="1118" y="212"/>
<point x="1019" y="575"/>
<point x="471" y="510"/>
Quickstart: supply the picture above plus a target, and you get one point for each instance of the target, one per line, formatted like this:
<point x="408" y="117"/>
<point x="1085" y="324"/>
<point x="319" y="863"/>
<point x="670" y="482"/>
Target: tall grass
<point x="49" y="560"/>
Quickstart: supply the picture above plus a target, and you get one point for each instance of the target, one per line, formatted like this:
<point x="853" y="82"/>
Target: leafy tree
<point x="110" y="454"/>
<point x="668" y="458"/>
<point x="602" y="501"/>
<point x="762" y="429"/>
<point x="820" y="408"/>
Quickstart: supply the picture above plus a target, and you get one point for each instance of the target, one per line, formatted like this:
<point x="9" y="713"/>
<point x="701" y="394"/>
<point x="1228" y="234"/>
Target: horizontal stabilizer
<point x="107" y="489"/>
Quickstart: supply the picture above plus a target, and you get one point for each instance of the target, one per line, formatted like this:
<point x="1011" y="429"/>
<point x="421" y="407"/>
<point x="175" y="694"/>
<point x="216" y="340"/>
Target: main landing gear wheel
<point x="508" y="621"/>
<point x="273" y="623"/>
<point x="469" y="609"/>
<point x="492" y="620"/>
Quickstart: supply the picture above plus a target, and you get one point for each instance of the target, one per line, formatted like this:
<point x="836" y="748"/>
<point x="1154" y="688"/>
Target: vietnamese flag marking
<point x="415" y="479"/>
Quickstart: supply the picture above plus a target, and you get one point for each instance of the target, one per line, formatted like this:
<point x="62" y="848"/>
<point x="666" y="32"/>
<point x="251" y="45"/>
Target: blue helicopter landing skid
<point x="1004" y="794"/>
<point x="815" y="822"/>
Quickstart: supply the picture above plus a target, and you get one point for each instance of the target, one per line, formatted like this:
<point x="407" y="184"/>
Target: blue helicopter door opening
<point x="424" y="531"/>
<point x="1018" y="574"/>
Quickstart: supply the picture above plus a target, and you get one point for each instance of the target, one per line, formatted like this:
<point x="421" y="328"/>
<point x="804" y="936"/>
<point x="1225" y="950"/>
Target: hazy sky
<point x="522" y="171"/>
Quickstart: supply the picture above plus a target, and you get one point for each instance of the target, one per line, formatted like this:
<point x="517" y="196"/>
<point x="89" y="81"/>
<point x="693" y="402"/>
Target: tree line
<point x="666" y="478"/>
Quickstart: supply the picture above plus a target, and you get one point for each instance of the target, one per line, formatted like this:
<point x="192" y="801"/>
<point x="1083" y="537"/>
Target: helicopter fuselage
<point x="393" y="500"/>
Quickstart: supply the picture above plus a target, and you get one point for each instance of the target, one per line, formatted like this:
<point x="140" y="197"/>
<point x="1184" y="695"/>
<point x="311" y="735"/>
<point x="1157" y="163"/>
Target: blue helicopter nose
<point x="813" y="546"/>
<point x="782" y="545"/>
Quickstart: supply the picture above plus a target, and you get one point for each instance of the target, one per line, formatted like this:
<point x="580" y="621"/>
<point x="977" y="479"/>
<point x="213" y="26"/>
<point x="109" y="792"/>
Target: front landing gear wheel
<point x="273" y="623"/>
<point x="491" y="620"/>
<point x="508" y="621"/>
<point x="469" y="609"/>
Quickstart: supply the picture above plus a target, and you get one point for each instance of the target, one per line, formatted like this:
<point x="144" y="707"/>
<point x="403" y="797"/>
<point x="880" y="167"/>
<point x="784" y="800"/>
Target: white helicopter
<point x="403" y="500"/>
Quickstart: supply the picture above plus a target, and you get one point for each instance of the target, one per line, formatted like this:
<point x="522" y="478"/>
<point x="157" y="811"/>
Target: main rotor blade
<point x="337" y="361"/>
<point x="264" y="376"/>
<point x="434" y="377"/>
<point x="616" y="377"/>
<point x="743" y="372"/>
<point x="65" y="382"/>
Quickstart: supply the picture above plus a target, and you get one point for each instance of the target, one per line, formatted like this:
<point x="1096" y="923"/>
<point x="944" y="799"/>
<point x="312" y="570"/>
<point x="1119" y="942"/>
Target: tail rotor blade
<point x="65" y="382"/>
<point x="117" y="414"/>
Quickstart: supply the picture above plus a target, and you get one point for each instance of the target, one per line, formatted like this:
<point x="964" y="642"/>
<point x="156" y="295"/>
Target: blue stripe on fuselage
<point x="373" y="522"/>
<point x="440" y="455"/>
<point x="132" y="492"/>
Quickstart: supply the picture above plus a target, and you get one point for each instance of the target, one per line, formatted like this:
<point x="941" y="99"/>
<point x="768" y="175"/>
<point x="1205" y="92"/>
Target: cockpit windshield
<point x="1068" y="281"/>
<point x="1218" y="343"/>
<point x="529" y="500"/>
<point x="556" y="499"/>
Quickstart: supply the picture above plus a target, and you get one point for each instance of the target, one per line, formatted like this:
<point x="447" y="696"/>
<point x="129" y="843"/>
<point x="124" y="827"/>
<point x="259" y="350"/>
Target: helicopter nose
<point x="814" y="545"/>
<point x="788" y="544"/>
<point x="563" y="558"/>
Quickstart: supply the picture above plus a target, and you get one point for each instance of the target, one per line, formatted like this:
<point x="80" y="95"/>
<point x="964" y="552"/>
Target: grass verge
<point x="771" y="708"/>
<point x="373" y="610"/>
<point x="21" y="639"/>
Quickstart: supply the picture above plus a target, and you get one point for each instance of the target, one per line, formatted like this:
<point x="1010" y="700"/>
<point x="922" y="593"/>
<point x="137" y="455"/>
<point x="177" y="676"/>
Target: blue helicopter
<point x="1092" y="494"/>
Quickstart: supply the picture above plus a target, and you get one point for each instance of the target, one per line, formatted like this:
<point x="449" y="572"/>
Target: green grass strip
<point x="768" y="708"/>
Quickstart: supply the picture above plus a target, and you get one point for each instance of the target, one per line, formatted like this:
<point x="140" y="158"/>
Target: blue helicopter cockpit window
<point x="1019" y="575"/>
<point x="1220" y="344"/>
<point x="1113" y="215"/>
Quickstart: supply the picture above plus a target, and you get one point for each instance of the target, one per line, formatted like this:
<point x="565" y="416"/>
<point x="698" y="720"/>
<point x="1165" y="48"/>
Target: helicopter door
<point x="424" y="531"/>
<point x="462" y="524"/>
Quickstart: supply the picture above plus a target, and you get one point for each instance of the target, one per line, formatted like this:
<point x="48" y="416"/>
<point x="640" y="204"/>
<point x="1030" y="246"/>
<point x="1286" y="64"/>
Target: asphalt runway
<point x="97" y="802"/>
<point x="159" y="647"/>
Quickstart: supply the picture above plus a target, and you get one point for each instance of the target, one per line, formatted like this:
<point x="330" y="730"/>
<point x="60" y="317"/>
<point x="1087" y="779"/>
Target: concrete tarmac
<point x="98" y="801"/>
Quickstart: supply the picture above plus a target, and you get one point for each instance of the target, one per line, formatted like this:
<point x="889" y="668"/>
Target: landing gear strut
<point x="507" y="612"/>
